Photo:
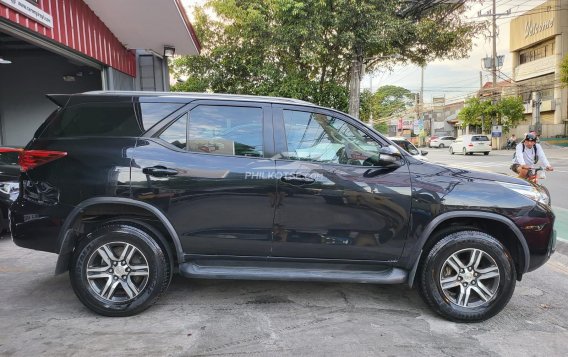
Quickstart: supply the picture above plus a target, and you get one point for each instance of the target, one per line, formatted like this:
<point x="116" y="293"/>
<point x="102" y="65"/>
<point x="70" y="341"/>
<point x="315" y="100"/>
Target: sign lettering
<point x="534" y="28"/>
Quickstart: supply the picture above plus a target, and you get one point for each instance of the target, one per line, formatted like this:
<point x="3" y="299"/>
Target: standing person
<point x="527" y="154"/>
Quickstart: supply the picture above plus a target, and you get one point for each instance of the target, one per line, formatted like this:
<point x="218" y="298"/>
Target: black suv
<point x="131" y="187"/>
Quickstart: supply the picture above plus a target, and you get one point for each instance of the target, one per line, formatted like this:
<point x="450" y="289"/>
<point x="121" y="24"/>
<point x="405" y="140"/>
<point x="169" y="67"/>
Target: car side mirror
<point x="388" y="156"/>
<point x="424" y="152"/>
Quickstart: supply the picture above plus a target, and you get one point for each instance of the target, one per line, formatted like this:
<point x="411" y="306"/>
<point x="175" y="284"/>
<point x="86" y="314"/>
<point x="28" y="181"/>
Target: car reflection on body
<point x="407" y="146"/>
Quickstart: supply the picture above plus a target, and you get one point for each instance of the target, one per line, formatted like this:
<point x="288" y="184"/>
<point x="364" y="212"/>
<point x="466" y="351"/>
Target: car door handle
<point x="297" y="179"/>
<point x="159" y="171"/>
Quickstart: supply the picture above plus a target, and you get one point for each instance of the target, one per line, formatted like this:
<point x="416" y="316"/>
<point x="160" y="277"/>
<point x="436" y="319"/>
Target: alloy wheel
<point x="117" y="271"/>
<point x="469" y="278"/>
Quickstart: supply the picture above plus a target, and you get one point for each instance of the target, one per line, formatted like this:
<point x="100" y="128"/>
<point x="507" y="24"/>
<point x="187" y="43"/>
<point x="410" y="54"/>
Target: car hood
<point x="481" y="175"/>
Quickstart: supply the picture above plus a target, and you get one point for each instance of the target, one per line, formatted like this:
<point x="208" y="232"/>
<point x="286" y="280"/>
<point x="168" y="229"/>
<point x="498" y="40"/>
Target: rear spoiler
<point x="59" y="99"/>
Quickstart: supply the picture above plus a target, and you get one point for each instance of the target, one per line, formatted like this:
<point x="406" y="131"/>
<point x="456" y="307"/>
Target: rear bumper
<point x="35" y="226"/>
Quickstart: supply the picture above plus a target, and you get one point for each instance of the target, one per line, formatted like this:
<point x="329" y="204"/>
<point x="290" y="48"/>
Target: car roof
<point x="62" y="99"/>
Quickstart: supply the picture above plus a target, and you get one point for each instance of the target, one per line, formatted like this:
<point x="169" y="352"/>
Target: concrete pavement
<point x="40" y="315"/>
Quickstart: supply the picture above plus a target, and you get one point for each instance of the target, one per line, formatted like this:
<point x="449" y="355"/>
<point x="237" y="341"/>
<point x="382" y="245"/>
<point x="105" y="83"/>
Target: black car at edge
<point x="129" y="188"/>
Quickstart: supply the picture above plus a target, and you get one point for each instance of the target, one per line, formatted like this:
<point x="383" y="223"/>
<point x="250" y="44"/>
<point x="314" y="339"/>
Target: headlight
<point x="529" y="191"/>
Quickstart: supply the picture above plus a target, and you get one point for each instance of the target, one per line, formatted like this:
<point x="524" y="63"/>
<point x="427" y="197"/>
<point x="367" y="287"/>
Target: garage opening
<point x="27" y="73"/>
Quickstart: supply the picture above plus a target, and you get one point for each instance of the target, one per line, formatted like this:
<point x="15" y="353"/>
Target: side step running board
<point x="293" y="271"/>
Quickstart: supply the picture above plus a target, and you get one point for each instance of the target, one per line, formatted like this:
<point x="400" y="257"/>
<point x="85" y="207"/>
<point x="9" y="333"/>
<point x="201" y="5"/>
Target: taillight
<point x="29" y="159"/>
<point x="470" y="145"/>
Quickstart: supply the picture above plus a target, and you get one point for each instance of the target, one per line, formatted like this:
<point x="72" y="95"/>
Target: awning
<point x="148" y="24"/>
<point x="452" y="119"/>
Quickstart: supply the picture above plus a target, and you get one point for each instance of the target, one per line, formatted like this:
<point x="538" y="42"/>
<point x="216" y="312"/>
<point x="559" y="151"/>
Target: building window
<point x="536" y="52"/>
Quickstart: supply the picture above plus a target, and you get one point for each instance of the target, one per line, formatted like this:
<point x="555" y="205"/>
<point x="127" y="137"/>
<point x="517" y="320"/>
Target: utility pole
<point x="536" y="101"/>
<point x="495" y="60"/>
<point x="481" y="91"/>
<point x="421" y="101"/>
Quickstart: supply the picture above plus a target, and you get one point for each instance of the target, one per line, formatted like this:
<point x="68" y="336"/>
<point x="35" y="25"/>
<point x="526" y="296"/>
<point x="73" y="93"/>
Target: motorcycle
<point x="511" y="144"/>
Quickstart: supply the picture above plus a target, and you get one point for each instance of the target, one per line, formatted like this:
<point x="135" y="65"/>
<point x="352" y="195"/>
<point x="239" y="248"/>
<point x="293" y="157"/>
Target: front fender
<point x="415" y="253"/>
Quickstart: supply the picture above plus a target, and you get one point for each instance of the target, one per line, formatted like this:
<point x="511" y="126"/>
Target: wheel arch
<point x="502" y="228"/>
<point x="120" y="209"/>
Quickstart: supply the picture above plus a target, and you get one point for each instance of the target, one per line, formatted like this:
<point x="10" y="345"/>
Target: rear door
<point x="209" y="170"/>
<point x="331" y="204"/>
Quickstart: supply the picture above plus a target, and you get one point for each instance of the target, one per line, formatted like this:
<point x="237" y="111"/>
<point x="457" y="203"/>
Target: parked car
<point x="9" y="185"/>
<point x="430" y="138"/>
<point x="410" y="148"/>
<point x="470" y="144"/>
<point x="441" y="142"/>
<point x="119" y="185"/>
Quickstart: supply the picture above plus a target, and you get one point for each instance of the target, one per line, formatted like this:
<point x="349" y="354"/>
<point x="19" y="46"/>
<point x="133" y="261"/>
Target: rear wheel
<point x="467" y="276"/>
<point x="486" y="153"/>
<point x="464" y="152"/>
<point x="119" y="270"/>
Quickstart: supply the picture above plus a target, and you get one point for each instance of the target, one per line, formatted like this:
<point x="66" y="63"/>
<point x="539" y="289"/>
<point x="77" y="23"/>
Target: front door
<point x="202" y="170"/>
<point x="334" y="202"/>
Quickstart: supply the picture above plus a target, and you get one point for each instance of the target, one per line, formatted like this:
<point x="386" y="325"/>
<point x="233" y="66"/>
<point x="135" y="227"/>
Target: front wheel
<point x="467" y="276"/>
<point x="119" y="270"/>
<point x="441" y="146"/>
<point x="451" y="150"/>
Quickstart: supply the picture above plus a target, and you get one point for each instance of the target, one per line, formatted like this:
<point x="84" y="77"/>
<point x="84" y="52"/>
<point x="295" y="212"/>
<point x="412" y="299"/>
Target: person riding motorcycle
<point x="511" y="142"/>
<point x="527" y="154"/>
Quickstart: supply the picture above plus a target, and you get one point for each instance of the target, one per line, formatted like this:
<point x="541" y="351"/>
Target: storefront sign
<point x="532" y="28"/>
<point x="31" y="11"/>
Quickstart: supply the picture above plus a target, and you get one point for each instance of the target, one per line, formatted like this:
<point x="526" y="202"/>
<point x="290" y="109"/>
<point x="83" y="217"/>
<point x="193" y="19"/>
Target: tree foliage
<point x="564" y="70"/>
<point x="389" y="100"/>
<point x="508" y="112"/>
<point x="385" y="103"/>
<point x="306" y="49"/>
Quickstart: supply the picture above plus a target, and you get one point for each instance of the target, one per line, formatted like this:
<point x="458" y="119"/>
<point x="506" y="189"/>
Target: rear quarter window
<point x="95" y="119"/>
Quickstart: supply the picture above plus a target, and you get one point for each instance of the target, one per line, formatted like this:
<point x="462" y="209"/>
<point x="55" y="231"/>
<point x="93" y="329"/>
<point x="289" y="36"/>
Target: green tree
<point x="307" y="49"/>
<point x="389" y="100"/>
<point x="511" y="111"/>
<point x="564" y="70"/>
<point x="508" y="112"/>
<point x="415" y="31"/>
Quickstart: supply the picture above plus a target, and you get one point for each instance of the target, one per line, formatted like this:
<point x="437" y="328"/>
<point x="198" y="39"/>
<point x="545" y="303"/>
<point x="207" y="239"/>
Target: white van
<point x="469" y="144"/>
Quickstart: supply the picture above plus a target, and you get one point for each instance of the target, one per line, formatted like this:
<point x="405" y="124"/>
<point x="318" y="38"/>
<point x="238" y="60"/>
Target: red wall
<point x="77" y="27"/>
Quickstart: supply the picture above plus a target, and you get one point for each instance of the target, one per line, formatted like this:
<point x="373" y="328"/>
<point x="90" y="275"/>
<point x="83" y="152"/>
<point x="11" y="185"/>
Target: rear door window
<point x="216" y="129"/>
<point x="152" y="113"/>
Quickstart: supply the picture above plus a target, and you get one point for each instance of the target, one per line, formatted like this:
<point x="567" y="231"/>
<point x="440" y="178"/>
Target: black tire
<point x="451" y="150"/>
<point x="122" y="283"/>
<point x="494" y="270"/>
<point x="441" y="146"/>
<point x="486" y="153"/>
<point x="464" y="152"/>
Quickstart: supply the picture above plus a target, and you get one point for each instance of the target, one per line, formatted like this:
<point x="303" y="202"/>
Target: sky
<point x="453" y="79"/>
<point x="456" y="79"/>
